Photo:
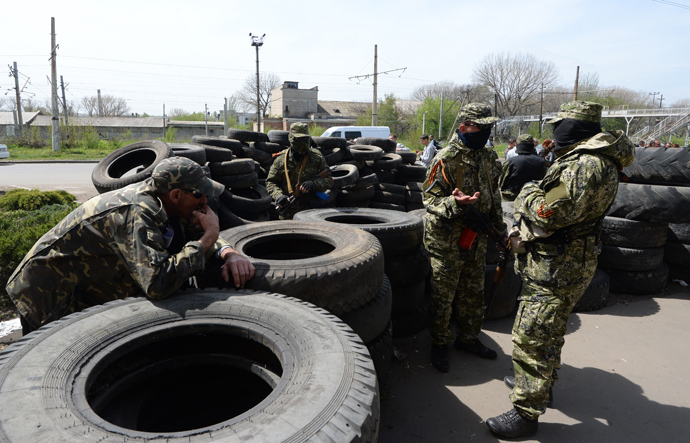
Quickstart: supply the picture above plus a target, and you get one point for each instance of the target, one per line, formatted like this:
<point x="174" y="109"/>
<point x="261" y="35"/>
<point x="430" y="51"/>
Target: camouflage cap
<point x="525" y="139"/>
<point x="183" y="173"/>
<point x="298" y="130"/>
<point x="477" y="113"/>
<point x="579" y="110"/>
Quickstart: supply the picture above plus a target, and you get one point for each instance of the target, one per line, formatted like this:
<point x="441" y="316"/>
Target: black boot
<point x="512" y="424"/>
<point x="439" y="357"/>
<point x="509" y="380"/>
<point x="476" y="347"/>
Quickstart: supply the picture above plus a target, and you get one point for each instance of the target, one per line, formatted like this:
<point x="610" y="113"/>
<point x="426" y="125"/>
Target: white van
<point x="352" y="132"/>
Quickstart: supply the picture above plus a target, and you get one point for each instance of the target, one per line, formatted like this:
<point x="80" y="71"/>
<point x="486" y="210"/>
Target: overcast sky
<point x="185" y="54"/>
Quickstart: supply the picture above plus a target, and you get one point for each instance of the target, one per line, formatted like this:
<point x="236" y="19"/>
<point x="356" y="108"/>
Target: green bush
<point x="31" y="200"/>
<point x="19" y="231"/>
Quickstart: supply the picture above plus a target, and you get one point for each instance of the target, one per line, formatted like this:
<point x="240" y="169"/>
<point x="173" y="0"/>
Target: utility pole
<point x="19" y="99"/>
<point x="374" y="108"/>
<point x="577" y="80"/>
<point x="257" y="42"/>
<point x="53" y="70"/>
<point x="100" y="103"/>
<point x="440" y="124"/>
<point x="164" y="125"/>
<point x="206" y="118"/>
<point x="541" y="107"/>
<point x="661" y="99"/>
<point x="225" y="116"/>
<point x="64" y="100"/>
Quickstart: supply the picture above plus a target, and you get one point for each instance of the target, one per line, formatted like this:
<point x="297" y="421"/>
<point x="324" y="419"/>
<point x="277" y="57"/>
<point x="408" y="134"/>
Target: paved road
<point x="622" y="380"/>
<point x="71" y="177"/>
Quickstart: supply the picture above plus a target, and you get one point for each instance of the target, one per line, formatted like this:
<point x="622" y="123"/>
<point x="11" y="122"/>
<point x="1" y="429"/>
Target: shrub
<point x="19" y="231"/>
<point x="31" y="200"/>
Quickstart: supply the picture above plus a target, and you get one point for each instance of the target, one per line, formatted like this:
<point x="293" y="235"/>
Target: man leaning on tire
<point x="147" y="239"/>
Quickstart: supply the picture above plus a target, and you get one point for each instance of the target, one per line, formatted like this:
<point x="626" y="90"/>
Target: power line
<point x="677" y="5"/>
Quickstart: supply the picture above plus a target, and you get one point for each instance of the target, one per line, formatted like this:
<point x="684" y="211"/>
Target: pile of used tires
<point x="366" y="174"/>
<point x="226" y="366"/>
<point x="336" y="267"/>
<point x="406" y="262"/>
<point x="645" y="234"/>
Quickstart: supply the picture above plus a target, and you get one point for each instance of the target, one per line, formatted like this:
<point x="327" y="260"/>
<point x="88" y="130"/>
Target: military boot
<point x="475" y="347"/>
<point x="439" y="357"/>
<point x="509" y="380"/>
<point x="512" y="424"/>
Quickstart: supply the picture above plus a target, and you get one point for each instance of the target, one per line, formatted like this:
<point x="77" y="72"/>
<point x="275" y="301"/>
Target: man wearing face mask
<point x="461" y="174"/>
<point x="299" y="171"/>
<point x="559" y="220"/>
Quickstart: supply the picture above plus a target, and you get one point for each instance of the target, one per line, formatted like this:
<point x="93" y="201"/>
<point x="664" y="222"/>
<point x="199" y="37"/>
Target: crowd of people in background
<point x="657" y="144"/>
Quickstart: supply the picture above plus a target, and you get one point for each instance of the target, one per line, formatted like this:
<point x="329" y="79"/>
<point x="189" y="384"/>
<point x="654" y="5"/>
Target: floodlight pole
<point x="256" y="42"/>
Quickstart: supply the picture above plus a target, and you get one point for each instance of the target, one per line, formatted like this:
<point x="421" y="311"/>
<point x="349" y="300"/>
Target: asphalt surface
<point x="622" y="379"/>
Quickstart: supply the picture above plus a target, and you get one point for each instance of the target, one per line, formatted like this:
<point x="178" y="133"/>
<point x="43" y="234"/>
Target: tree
<point x="515" y="79"/>
<point x="453" y="93"/>
<point x="111" y="106"/>
<point x="246" y="97"/>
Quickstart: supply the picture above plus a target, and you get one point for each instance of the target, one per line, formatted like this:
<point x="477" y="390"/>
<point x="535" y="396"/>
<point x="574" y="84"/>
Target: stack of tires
<point x="406" y="261"/>
<point x="677" y="251"/>
<point x="658" y="193"/>
<point x="246" y="199"/>
<point x="633" y="255"/>
<point x="338" y="268"/>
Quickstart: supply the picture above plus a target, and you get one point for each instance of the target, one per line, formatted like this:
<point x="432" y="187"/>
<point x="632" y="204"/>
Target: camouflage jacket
<point x="111" y="247"/>
<point x="277" y="184"/>
<point x="445" y="220"/>
<point x="573" y="196"/>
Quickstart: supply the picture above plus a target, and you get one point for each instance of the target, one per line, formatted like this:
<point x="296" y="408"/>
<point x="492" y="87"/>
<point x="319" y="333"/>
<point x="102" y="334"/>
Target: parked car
<point x="4" y="152"/>
<point x="353" y="132"/>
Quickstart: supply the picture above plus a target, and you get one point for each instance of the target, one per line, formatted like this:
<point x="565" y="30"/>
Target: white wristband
<point x="219" y="254"/>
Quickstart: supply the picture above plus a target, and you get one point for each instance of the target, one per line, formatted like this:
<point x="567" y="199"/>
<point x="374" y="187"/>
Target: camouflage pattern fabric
<point x="183" y="173"/>
<point x="575" y="193"/>
<point x="458" y="276"/>
<point x="476" y="112"/>
<point x="109" y="248"/>
<point x="276" y="182"/>
<point x="579" y="110"/>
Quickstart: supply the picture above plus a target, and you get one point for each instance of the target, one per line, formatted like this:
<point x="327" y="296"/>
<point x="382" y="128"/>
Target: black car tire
<point x="202" y="365"/>
<point x="110" y="173"/>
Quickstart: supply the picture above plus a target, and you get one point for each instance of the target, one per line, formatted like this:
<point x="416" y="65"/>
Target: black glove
<point x="308" y="186"/>
<point x="282" y="201"/>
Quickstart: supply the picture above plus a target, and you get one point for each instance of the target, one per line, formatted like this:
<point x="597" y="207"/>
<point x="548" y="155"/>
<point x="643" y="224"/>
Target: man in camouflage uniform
<point x="299" y="171"/>
<point x="519" y="169"/>
<point x="119" y="244"/>
<point x="461" y="174"/>
<point x="559" y="220"/>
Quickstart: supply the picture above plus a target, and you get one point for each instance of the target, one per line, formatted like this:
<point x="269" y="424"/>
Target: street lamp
<point x="256" y="42"/>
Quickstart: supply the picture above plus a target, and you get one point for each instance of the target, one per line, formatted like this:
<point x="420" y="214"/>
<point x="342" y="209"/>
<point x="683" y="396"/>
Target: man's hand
<point x="206" y="219"/>
<point x="462" y="199"/>
<point x="282" y="201"/>
<point x="237" y="267"/>
<point x="307" y="187"/>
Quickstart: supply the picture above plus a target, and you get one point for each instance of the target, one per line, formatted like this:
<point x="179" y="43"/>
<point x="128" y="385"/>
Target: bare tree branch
<point x="111" y="106"/>
<point x="246" y="97"/>
<point x="515" y="79"/>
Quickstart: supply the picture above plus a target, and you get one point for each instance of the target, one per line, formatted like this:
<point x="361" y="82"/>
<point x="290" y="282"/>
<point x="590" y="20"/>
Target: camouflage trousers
<point x="538" y="337"/>
<point x="457" y="292"/>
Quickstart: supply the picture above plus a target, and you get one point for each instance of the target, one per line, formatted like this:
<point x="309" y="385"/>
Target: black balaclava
<point x="569" y="131"/>
<point x="476" y="140"/>
<point x="299" y="146"/>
